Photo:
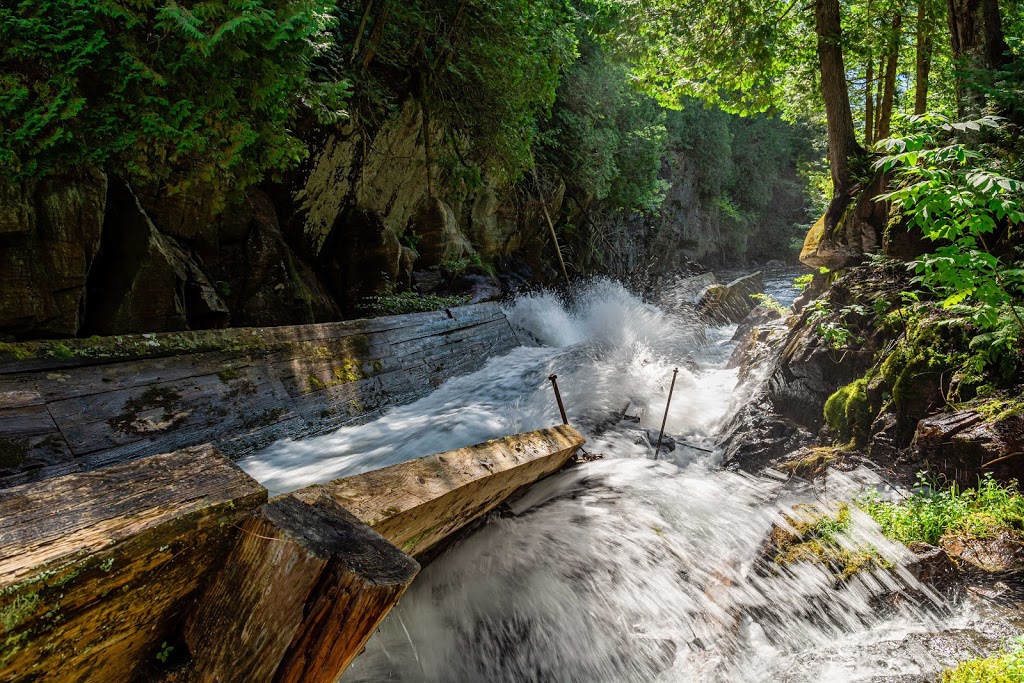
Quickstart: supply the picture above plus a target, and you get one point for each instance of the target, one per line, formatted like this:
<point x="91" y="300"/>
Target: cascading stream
<point x="622" y="569"/>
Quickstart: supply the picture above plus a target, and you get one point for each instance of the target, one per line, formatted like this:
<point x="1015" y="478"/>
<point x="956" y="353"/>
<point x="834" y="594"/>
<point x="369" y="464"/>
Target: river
<point x="627" y="568"/>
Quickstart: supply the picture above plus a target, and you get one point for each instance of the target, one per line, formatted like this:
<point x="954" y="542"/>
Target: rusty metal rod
<point x="558" y="397"/>
<point x="657" y="449"/>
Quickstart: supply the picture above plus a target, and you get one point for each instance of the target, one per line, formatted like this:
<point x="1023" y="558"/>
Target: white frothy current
<point x="624" y="569"/>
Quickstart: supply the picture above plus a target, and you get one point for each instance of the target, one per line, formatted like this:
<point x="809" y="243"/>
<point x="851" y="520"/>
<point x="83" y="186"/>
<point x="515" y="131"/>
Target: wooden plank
<point x="95" y="566"/>
<point x="418" y="503"/>
<point x="30" y="440"/>
<point x="297" y="598"/>
<point x="178" y="413"/>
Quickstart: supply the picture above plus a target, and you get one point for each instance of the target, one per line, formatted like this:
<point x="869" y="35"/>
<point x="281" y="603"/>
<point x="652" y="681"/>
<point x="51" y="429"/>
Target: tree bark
<point x="889" y="91"/>
<point x="879" y="90"/>
<point x="842" y="136"/>
<point x="923" y="61"/>
<point x="977" y="42"/>
<point x="869" y="102"/>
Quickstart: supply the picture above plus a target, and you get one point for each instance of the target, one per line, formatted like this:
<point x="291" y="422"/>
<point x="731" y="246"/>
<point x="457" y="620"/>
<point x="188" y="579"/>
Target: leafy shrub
<point x="929" y="514"/>
<point x="410" y="302"/>
<point x="948" y="184"/>
<point x="161" y="91"/>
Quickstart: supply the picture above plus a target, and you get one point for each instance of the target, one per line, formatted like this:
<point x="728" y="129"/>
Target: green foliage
<point x="162" y="92"/>
<point x="948" y="184"/>
<point x="484" y="69"/>
<point x="725" y="53"/>
<point x="832" y="326"/>
<point x="409" y="302"/>
<point x="770" y="302"/>
<point x="603" y="137"/>
<point x="928" y="514"/>
<point x="1006" y="666"/>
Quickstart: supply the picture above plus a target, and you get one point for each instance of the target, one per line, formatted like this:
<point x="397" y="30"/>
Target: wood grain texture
<point x="239" y="389"/>
<point x="302" y="591"/>
<point x="95" y="567"/>
<point x="416" y="504"/>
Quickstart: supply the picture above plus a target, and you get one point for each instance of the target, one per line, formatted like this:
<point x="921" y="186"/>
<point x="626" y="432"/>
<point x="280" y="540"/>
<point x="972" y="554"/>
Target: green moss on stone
<point x="848" y="412"/>
<point x="11" y="454"/>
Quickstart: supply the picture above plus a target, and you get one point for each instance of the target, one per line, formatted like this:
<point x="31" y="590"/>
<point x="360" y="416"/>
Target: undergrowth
<point x="1006" y="666"/>
<point x="929" y="514"/>
<point x="409" y="302"/>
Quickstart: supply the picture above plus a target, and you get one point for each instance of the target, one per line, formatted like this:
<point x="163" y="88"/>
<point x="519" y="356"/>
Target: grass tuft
<point x="929" y="514"/>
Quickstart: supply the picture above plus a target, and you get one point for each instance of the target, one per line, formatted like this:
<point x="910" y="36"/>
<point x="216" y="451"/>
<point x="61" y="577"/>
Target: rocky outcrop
<point x="49" y="236"/>
<point x="964" y="444"/>
<point x="857" y="232"/>
<point x="260" y="278"/>
<point x="811" y="365"/>
<point x="144" y="280"/>
<point x="731" y="303"/>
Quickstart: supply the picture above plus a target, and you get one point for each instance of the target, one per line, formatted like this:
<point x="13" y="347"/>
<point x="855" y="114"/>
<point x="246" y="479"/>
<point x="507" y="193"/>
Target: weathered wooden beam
<point x="302" y="591"/>
<point x="417" y="504"/>
<point x="95" y="567"/>
<point x="81" y="404"/>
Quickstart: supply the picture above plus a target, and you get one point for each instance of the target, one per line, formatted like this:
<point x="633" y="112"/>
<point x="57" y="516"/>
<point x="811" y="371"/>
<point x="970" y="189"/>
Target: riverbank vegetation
<point x="931" y="512"/>
<point x="1006" y="666"/>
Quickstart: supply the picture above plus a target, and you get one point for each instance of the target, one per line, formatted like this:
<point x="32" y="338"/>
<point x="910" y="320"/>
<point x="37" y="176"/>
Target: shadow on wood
<point x="304" y="588"/>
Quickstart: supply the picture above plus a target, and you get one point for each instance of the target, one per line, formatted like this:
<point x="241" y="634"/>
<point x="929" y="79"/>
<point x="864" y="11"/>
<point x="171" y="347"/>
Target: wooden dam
<point x="128" y="533"/>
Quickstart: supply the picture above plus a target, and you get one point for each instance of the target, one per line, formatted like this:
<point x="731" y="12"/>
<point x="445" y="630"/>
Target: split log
<point x="302" y="591"/>
<point x="417" y="504"/>
<point x="96" y="567"/>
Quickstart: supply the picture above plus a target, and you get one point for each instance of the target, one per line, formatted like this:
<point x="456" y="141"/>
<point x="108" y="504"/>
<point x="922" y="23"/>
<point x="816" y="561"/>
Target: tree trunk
<point x="879" y="90"/>
<point x="889" y="91"/>
<point x="869" y="102"/>
<point x="842" y="136"/>
<point x="976" y="38"/>
<point x="923" y="61"/>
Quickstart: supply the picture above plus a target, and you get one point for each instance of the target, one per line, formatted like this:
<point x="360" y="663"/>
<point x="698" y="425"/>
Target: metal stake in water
<point x="558" y="397"/>
<point x="665" y="419"/>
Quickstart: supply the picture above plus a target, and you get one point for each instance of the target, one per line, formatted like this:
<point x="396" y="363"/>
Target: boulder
<point x="439" y="237"/>
<point x="144" y="281"/>
<point x="1003" y="553"/>
<point x="731" y="303"/>
<point x="258" y="274"/>
<point x="931" y="565"/>
<point x="858" y="231"/>
<point x="964" y="444"/>
<point x="49" y="237"/>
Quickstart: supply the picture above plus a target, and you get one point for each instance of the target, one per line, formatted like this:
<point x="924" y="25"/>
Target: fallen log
<point x="96" y="567"/>
<point x="302" y="591"/>
<point x="417" y="504"/>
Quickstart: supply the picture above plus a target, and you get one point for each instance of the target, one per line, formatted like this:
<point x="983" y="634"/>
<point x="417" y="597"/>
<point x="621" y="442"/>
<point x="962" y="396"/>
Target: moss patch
<point x="812" y="463"/>
<point x="815" y="535"/>
<point x="154" y="397"/>
<point x="11" y="454"/>
<point x="848" y="412"/>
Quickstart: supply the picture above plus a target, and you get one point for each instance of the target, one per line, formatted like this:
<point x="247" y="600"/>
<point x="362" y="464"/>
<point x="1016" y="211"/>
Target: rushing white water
<point x="622" y="569"/>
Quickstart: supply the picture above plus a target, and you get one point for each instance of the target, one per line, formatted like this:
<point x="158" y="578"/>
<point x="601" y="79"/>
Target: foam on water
<point x="623" y="569"/>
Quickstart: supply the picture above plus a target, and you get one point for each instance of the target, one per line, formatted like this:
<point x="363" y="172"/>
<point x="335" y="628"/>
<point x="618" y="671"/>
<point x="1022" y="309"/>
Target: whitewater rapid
<point x="626" y="568"/>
